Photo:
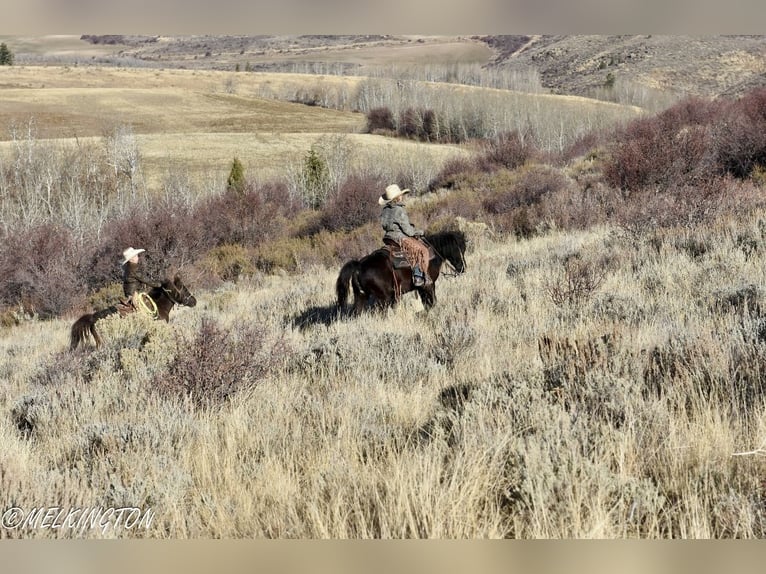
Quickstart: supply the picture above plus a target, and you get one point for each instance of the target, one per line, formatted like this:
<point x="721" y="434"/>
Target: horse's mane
<point x="448" y="241"/>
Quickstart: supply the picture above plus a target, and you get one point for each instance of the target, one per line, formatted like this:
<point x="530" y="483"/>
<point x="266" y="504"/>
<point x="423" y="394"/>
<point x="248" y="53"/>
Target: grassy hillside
<point x="500" y="413"/>
<point x="596" y="372"/>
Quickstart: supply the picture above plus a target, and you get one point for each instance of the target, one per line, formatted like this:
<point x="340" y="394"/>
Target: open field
<point x="199" y="120"/>
<point x="82" y="101"/>
<point x="457" y="424"/>
<point x="598" y="371"/>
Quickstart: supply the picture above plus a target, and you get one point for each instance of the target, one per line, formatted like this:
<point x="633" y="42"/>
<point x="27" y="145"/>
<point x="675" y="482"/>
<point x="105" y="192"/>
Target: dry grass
<point x="185" y="121"/>
<point x="85" y="110"/>
<point x="457" y="423"/>
<point x="504" y="412"/>
<point x="197" y="121"/>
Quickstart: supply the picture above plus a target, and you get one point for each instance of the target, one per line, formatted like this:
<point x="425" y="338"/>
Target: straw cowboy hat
<point x="130" y="253"/>
<point x="392" y="192"/>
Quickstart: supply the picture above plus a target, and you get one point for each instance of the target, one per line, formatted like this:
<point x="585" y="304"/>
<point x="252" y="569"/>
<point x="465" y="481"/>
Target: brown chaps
<point x="416" y="252"/>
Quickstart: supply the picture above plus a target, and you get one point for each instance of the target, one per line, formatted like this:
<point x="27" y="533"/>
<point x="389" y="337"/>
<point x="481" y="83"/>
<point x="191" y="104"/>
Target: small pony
<point x="168" y="294"/>
<point x="376" y="280"/>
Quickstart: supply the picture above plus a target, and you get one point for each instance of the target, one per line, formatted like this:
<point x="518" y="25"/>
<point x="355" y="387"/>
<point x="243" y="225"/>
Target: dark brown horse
<point x="166" y="296"/>
<point x="376" y="282"/>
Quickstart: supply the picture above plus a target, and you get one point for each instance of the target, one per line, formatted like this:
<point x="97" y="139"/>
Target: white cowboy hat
<point x="392" y="192"/>
<point x="130" y="253"/>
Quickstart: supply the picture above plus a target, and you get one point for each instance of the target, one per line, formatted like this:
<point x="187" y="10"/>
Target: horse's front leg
<point x="428" y="295"/>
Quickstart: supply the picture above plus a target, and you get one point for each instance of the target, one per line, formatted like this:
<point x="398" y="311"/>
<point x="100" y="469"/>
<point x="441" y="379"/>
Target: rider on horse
<point x="132" y="280"/>
<point x="400" y="233"/>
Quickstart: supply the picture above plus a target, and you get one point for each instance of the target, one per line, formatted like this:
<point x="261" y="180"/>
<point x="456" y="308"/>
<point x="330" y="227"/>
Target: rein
<point x="173" y="299"/>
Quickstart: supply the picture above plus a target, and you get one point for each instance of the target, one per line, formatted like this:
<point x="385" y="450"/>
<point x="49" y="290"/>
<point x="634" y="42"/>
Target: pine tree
<point x="236" y="181"/>
<point x="6" y="56"/>
<point x="316" y="179"/>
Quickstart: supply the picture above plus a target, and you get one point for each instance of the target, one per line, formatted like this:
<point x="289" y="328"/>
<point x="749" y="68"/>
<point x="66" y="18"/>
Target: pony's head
<point x="450" y="245"/>
<point x="178" y="292"/>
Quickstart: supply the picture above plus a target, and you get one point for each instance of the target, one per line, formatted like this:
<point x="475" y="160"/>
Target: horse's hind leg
<point x="95" y="335"/>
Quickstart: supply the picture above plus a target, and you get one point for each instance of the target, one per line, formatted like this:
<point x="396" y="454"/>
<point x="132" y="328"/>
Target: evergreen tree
<point x="316" y="179"/>
<point x="6" y="56"/>
<point x="236" y="179"/>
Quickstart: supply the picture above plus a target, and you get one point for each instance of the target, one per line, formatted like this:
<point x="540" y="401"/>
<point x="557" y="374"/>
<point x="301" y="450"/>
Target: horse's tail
<point x="86" y="325"/>
<point x="347" y="272"/>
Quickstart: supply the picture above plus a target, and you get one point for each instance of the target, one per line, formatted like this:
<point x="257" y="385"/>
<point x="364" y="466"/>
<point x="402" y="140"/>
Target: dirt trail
<point x="531" y="41"/>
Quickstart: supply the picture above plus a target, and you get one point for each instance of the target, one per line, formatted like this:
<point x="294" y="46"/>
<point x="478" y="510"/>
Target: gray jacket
<point x="396" y="223"/>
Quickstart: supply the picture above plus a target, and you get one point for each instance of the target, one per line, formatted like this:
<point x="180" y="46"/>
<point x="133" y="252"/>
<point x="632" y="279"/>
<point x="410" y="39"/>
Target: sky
<point x="177" y="17"/>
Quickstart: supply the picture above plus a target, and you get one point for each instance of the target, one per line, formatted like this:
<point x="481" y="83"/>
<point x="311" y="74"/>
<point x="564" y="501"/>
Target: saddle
<point x="398" y="257"/>
<point x="125" y="307"/>
<point x="146" y="304"/>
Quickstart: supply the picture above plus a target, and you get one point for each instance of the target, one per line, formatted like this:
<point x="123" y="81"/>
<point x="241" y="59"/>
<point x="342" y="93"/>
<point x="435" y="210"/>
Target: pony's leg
<point x="95" y="335"/>
<point x="428" y="295"/>
<point x="360" y="302"/>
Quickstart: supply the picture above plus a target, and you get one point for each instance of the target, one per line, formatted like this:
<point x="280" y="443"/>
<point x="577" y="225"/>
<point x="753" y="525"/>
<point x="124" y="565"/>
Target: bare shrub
<point x="176" y="234"/>
<point x="409" y="123"/>
<point x="228" y="262"/>
<point x="578" y="280"/>
<point x="327" y="247"/>
<point x="30" y="415"/>
<point x="574" y="207"/>
<point x="671" y="148"/>
<point x="507" y="150"/>
<point x="685" y="206"/>
<point x="65" y="367"/>
<point x="169" y="232"/>
<point x="740" y="137"/>
<point x="380" y="119"/>
<point x="43" y="270"/>
<point x="216" y="362"/>
<point x="448" y="208"/>
<point x="580" y="147"/>
<point x="529" y="189"/>
<point x="517" y="208"/>
<point x="354" y="204"/>
<point x="248" y="218"/>
<point x="420" y="124"/>
<point x="453" y="341"/>
<point x="449" y="176"/>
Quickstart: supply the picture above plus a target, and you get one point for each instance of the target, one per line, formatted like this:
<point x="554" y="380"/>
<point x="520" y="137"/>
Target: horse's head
<point x="178" y="292"/>
<point x="450" y="245"/>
